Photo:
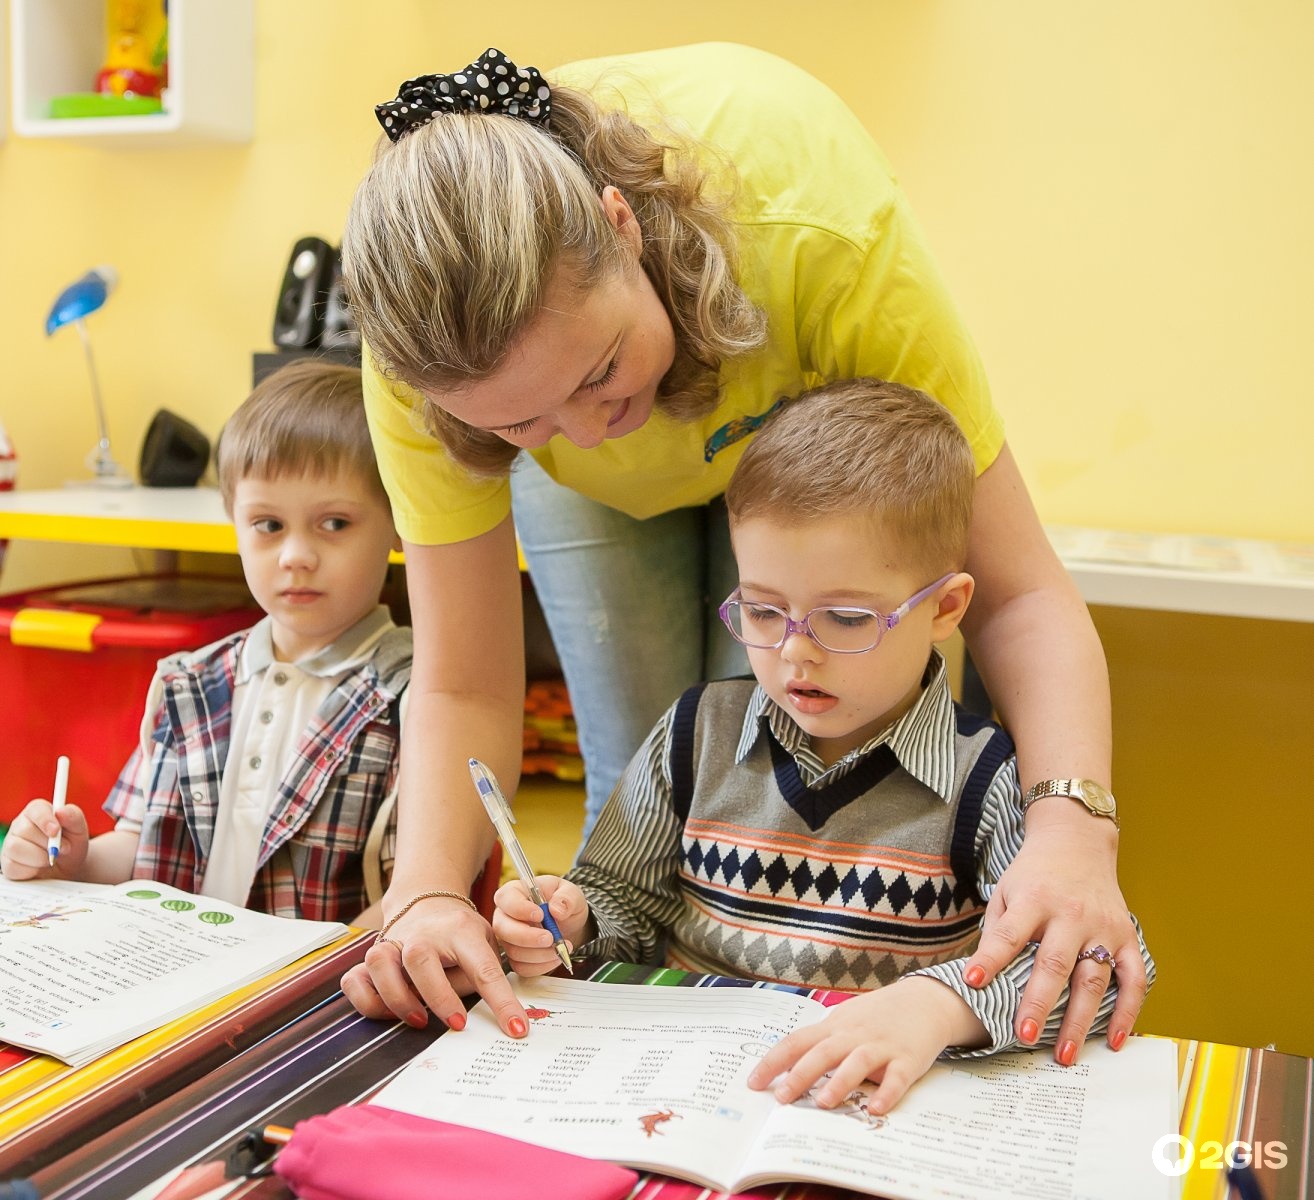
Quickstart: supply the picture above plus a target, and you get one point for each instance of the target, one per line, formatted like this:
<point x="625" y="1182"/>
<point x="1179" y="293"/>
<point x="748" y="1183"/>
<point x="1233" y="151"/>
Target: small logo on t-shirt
<point x="738" y="429"/>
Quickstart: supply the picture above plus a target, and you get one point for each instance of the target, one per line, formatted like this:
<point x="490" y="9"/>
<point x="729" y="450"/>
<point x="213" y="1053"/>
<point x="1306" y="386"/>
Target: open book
<point x="85" y="967"/>
<point x="654" y="1077"/>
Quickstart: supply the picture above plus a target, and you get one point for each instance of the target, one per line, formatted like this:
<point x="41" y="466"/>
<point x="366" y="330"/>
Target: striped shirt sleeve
<point x="999" y="838"/>
<point x="629" y="868"/>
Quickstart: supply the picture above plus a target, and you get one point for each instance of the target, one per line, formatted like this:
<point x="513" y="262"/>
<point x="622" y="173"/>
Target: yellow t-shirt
<point x="828" y="249"/>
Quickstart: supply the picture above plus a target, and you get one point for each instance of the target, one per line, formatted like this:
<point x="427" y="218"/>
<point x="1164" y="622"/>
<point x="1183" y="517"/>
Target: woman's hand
<point x="466" y="697"/>
<point x="435" y="954"/>
<point x="1062" y="891"/>
<point x="891" y="1036"/>
<point x="1032" y="638"/>
<point x="518" y="923"/>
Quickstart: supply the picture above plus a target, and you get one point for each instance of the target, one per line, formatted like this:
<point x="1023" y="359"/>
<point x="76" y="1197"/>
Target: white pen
<point x="499" y="812"/>
<point x="57" y="802"/>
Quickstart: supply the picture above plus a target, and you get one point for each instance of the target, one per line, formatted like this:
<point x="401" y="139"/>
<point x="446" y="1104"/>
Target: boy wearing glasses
<point x="838" y="823"/>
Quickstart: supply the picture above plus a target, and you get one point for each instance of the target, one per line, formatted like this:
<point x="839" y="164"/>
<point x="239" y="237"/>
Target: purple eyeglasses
<point x="841" y="630"/>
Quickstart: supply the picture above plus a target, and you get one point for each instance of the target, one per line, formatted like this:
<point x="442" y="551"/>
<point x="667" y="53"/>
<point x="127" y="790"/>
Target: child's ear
<point x="951" y="603"/>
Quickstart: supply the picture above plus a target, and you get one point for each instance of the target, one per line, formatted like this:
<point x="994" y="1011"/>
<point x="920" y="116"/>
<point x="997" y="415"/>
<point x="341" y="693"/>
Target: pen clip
<point x="499" y="812"/>
<point x="494" y="802"/>
<point x="500" y="800"/>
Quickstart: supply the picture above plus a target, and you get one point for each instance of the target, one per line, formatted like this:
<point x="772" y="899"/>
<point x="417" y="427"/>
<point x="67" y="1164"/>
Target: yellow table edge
<point x="202" y="536"/>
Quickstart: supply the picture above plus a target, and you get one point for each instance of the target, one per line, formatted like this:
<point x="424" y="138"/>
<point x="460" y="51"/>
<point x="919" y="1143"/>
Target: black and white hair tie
<point x="490" y="84"/>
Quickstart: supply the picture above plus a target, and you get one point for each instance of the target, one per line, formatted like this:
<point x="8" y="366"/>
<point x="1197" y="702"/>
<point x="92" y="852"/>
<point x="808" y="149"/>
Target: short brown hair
<point x="868" y="447"/>
<point x="307" y="418"/>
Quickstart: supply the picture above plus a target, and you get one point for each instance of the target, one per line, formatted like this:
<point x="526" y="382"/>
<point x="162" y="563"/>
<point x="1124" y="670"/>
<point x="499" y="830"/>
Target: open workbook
<point x="654" y="1077"/>
<point x="85" y="967"/>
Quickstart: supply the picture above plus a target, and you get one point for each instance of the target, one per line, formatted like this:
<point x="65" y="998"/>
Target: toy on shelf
<point x="79" y="300"/>
<point x="137" y="54"/>
<point x="134" y="74"/>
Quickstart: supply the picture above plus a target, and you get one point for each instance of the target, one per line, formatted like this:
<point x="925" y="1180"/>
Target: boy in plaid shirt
<point x="266" y="771"/>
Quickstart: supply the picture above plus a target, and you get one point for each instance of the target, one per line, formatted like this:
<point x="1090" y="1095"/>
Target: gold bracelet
<point x="414" y="900"/>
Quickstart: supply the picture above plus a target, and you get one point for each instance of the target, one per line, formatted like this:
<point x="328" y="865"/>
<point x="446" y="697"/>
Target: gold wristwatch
<point x="1097" y="798"/>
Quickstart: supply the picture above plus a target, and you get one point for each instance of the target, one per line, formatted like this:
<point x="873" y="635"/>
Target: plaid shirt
<point x="310" y="861"/>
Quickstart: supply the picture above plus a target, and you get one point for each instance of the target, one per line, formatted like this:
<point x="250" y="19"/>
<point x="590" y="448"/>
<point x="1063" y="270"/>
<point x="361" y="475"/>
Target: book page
<point x="1012" y="1125"/>
<point x="85" y="967"/>
<point x="655" y="1078"/>
<point x="652" y="1077"/>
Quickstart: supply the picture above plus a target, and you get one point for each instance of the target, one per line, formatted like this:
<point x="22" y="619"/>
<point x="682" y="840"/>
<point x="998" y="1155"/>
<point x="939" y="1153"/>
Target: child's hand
<point x="891" y="1036"/>
<point x="518" y="922"/>
<point x="26" y="855"/>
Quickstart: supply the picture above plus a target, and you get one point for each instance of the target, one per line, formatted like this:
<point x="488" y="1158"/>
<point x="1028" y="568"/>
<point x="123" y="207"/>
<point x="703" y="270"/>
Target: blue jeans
<point x="631" y="606"/>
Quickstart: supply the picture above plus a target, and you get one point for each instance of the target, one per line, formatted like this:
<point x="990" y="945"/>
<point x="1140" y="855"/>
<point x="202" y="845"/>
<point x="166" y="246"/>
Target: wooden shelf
<point x="1231" y="577"/>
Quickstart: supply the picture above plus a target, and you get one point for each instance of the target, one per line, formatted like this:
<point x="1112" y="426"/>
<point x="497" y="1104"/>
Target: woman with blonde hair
<point x="613" y="279"/>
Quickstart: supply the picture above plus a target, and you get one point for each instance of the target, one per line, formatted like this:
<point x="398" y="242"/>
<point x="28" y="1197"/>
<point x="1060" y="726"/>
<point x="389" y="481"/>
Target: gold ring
<point x="390" y="942"/>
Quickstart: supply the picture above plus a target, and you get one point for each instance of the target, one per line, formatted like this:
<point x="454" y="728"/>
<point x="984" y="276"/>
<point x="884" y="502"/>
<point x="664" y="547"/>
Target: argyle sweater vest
<point x="854" y="883"/>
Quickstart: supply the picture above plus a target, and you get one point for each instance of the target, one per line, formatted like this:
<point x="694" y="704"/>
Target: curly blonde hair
<point x="458" y="227"/>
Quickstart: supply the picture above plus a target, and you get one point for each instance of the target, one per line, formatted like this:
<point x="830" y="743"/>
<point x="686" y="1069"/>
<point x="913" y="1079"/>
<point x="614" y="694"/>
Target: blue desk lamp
<point x="76" y="301"/>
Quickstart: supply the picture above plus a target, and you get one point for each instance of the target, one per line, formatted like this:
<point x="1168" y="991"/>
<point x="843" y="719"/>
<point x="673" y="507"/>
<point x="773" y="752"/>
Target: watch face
<point x="1096" y="797"/>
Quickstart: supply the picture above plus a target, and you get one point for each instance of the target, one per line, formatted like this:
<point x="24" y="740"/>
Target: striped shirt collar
<point x="349" y="650"/>
<point x="922" y="739"/>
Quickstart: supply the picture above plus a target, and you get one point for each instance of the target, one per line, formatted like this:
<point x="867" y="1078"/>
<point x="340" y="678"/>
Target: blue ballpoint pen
<point x="499" y="812"/>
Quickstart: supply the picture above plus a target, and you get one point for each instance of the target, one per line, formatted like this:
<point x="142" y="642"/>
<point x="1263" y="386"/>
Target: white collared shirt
<point x="273" y="705"/>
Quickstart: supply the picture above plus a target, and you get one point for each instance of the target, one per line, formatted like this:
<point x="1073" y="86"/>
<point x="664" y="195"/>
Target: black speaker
<point x="299" y="313"/>
<point x="339" y="331"/>
<point x="174" y="453"/>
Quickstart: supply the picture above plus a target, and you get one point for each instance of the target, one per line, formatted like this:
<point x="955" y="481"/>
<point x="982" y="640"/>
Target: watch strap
<point x="1050" y="787"/>
<point x="1071" y="788"/>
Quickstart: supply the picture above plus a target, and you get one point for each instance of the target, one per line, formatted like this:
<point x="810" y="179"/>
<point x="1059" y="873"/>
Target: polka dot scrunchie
<point x="492" y="84"/>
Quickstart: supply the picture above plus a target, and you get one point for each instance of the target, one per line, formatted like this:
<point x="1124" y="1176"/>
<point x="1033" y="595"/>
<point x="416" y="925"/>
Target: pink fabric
<point x="364" y="1152"/>
<point x="829" y="999"/>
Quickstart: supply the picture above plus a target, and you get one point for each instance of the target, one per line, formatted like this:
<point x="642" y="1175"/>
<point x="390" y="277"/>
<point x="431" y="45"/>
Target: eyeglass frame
<point x="884" y="623"/>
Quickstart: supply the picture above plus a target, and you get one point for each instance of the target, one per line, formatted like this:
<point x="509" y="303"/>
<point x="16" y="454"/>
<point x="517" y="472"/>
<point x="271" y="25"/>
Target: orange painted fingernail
<point x="1067" y="1054"/>
<point x="456" y="1020"/>
<point x="1029" y="1031"/>
<point x="417" y="1019"/>
<point x="1117" y="1039"/>
<point x="975" y="976"/>
<point x="518" y="1027"/>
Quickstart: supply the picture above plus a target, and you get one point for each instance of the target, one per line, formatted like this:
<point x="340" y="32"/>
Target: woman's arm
<point x="1032" y="639"/>
<point x="466" y="701"/>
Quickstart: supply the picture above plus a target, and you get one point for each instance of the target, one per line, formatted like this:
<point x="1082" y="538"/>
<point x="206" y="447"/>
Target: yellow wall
<point x="1120" y="196"/>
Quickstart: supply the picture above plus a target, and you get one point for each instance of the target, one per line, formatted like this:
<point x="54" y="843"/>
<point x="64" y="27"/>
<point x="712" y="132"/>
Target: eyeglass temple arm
<point x="913" y="601"/>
